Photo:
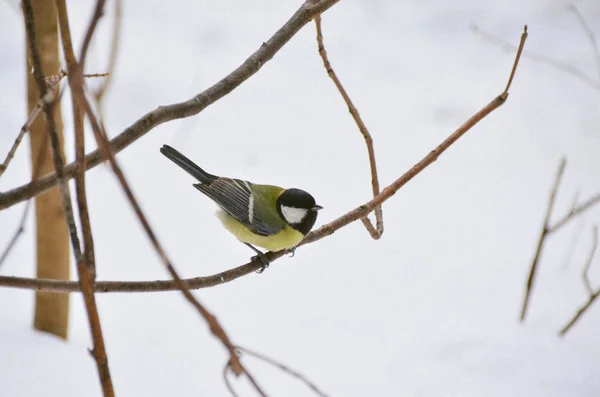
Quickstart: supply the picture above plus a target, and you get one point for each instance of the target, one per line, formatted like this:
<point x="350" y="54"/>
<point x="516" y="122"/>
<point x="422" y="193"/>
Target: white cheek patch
<point x="293" y="215"/>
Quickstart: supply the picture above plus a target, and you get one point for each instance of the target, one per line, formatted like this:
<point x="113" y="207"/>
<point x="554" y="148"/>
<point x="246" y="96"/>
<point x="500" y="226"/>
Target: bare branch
<point x="374" y="232"/>
<point x="285" y="369"/>
<point x="324" y="231"/>
<point x="49" y="97"/>
<point x="588" y="263"/>
<point x="226" y="380"/>
<point x="579" y="313"/>
<point x="556" y="64"/>
<point x="114" y="50"/>
<point x="590" y="34"/>
<point x="98" y="12"/>
<point x="588" y="286"/>
<point x="184" y="109"/>
<point x="545" y="231"/>
<point x="575" y="212"/>
<point x="20" y="230"/>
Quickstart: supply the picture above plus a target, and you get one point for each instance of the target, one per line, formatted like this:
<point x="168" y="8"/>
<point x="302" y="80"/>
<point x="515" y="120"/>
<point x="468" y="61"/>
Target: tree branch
<point x="311" y="385"/>
<point x="374" y="232"/>
<point x="586" y="281"/>
<point x="556" y="64"/>
<point x="542" y="239"/>
<point x="183" y="109"/>
<point x="49" y="97"/>
<point x="250" y="267"/>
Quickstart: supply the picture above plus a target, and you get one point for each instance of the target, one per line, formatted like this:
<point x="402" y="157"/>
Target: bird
<point x="267" y="216"/>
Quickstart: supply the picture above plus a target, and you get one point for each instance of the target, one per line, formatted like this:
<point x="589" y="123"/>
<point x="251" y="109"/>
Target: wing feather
<point x="234" y="197"/>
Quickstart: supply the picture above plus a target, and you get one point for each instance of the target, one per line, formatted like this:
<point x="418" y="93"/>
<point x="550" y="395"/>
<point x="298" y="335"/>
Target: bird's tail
<point x="187" y="164"/>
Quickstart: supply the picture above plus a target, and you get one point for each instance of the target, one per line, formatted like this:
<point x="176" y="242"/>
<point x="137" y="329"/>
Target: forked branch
<point x="378" y="231"/>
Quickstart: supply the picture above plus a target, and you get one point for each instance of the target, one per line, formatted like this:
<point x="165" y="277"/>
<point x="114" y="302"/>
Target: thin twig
<point x="35" y="171"/>
<point x="517" y="58"/>
<point x="226" y="369"/>
<point x="98" y="13"/>
<point x="590" y="34"/>
<point x="374" y="232"/>
<point x="302" y="378"/>
<point x="114" y="51"/>
<point x="556" y="64"/>
<point x="20" y="230"/>
<point x="588" y="263"/>
<point x="575" y="212"/>
<point x="184" y="109"/>
<point x="322" y="232"/>
<point x="586" y="281"/>
<point x="579" y="313"/>
<point x="542" y="239"/>
<point x="49" y="97"/>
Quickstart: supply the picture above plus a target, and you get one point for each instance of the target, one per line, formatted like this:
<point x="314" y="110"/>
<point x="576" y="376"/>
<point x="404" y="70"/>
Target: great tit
<point x="267" y="216"/>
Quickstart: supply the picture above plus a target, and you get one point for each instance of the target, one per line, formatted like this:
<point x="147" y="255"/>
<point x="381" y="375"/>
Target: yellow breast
<point x="288" y="237"/>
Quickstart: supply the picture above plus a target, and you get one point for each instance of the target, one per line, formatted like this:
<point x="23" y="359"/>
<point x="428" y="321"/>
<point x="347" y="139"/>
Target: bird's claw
<point x="264" y="260"/>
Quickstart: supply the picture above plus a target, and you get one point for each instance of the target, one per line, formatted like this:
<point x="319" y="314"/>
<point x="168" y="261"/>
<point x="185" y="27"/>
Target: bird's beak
<point x="317" y="208"/>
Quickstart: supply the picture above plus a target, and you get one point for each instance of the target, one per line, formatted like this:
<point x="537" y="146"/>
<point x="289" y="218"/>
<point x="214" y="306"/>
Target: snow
<point x="432" y="308"/>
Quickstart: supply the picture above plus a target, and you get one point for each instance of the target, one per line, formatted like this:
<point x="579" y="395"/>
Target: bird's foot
<point x="292" y="252"/>
<point x="265" y="262"/>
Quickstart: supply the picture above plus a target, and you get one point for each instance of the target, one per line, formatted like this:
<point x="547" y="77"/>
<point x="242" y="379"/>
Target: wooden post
<point x="52" y="238"/>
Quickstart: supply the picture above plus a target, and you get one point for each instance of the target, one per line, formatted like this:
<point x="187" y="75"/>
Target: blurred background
<point x="431" y="309"/>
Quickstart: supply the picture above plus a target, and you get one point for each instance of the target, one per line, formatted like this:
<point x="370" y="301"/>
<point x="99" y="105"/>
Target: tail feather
<point x="187" y="164"/>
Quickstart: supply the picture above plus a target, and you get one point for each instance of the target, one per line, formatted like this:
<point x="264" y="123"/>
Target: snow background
<point x="431" y="309"/>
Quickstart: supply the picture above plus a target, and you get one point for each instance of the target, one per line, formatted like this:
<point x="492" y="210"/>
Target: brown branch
<point x="586" y="281"/>
<point x="556" y="64"/>
<point x="184" y="109"/>
<point x="85" y="262"/>
<point x="542" y="239"/>
<point x="286" y="369"/>
<point x="49" y="97"/>
<point x="322" y="232"/>
<point x="374" y="232"/>
<point x="214" y="325"/>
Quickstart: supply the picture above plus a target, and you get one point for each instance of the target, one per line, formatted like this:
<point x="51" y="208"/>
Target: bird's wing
<point x="234" y="196"/>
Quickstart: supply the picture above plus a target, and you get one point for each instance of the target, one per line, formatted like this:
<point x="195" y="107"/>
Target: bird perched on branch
<point x="268" y="216"/>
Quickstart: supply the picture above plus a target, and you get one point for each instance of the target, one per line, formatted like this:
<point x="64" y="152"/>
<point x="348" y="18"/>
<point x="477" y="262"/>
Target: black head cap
<point x="296" y="199"/>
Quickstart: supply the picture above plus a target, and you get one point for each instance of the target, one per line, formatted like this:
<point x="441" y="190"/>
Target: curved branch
<point x="183" y="109"/>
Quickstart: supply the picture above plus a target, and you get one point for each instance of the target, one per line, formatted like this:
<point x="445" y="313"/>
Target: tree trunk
<point x="52" y="238"/>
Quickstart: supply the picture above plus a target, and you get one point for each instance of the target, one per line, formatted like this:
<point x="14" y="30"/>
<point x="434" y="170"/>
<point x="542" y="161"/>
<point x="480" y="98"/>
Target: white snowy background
<point x="431" y="309"/>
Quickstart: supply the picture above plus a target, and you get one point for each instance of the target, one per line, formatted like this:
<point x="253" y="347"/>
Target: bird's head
<point x="299" y="209"/>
